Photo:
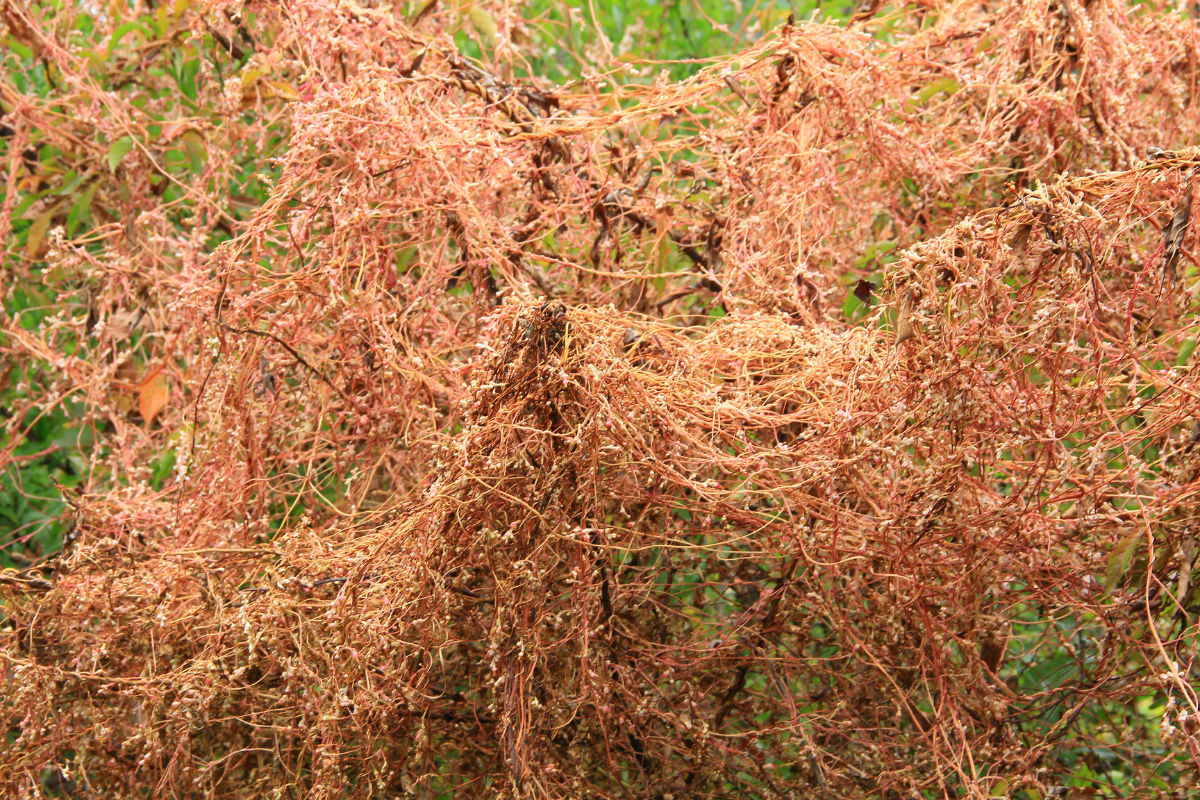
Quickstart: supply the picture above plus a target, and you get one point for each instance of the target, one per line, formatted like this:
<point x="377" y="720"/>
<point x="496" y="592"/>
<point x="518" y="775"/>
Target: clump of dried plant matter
<point x="528" y="441"/>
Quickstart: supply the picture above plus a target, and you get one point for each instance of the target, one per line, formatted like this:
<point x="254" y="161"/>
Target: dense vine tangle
<point x="822" y="425"/>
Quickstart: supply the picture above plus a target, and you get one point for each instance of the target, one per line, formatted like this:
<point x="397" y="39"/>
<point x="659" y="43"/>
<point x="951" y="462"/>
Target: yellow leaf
<point x="484" y="22"/>
<point x="153" y="397"/>
<point x="30" y="184"/>
<point x="37" y="231"/>
<point x="284" y="90"/>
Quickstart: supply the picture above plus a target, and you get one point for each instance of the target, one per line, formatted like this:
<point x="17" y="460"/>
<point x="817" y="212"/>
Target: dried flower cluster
<point x="823" y="425"/>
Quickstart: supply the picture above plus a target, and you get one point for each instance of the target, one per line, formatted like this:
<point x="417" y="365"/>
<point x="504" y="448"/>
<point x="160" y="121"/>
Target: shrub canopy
<point x="822" y="424"/>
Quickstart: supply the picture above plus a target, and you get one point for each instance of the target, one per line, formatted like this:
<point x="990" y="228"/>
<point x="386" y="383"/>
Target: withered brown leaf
<point x="863" y="290"/>
<point x="905" y="329"/>
<point x="1175" y="231"/>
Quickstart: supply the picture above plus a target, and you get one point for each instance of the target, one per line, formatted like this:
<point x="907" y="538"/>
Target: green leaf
<point x="161" y="20"/>
<point x="1185" y="352"/>
<point x="879" y="249"/>
<point x="27" y="202"/>
<point x="193" y="145"/>
<point x="120" y="32"/>
<point x="71" y="182"/>
<point x="1121" y="559"/>
<point x="185" y="74"/>
<point x="22" y="50"/>
<point x="82" y="209"/>
<point x="850" y="305"/>
<point x="120" y="148"/>
<point x="947" y="85"/>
